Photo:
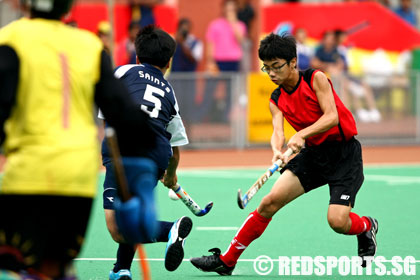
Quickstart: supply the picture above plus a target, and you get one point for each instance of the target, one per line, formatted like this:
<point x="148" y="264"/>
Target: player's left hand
<point x="296" y="143"/>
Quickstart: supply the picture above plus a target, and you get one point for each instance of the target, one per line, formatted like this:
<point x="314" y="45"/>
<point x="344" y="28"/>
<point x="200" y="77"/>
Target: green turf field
<point x="390" y="194"/>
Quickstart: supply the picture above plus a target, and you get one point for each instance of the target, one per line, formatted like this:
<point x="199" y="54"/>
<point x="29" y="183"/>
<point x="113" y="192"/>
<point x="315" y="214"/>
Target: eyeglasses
<point x="267" y="70"/>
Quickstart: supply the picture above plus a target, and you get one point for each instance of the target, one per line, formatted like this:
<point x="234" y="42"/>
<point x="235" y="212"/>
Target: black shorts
<point x="338" y="164"/>
<point x="35" y="228"/>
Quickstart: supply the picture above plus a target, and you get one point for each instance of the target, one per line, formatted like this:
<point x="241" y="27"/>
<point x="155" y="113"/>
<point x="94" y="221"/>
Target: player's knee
<point x="116" y="236"/>
<point x="111" y="224"/>
<point x="269" y="206"/>
<point x="338" y="224"/>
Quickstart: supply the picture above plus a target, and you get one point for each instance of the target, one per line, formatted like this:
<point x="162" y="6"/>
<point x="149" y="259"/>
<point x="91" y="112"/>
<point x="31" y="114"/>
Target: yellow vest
<point x="51" y="137"/>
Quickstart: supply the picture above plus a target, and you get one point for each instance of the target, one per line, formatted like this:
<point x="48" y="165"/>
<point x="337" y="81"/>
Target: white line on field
<point x="394" y="179"/>
<point x="216" y="228"/>
<point x="184" y="260"/>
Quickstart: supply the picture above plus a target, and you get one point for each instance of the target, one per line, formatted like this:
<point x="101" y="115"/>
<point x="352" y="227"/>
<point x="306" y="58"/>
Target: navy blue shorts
<point x="338" y="164"/>
<point x="110" y="185"/>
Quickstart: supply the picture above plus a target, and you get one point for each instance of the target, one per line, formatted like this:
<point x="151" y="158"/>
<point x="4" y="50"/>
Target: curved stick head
<point x="206" y="209"/>
<point x="240" y="201"/>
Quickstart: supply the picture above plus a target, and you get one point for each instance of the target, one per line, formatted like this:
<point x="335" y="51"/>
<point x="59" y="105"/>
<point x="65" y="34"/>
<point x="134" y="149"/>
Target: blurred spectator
<point x="385" y="3"/>
<point x="327" y="58"/>
<point x="304" y="52"/>
<point x="104" y="33"/>
<point x="189" y="50"/>
<point x="406" y="12"/>
<point x="245" y="13"/>
<point x="142" y="11"/>
<point x="125" y="52"/>
<point x="224" y="37"/>
<point x="188" y="53"/>
<point x="358" y="89"/>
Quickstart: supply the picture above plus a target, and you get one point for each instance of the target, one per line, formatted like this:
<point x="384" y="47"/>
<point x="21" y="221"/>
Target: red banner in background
<point x="370" y="25"/>
<point x="88" y="16"/>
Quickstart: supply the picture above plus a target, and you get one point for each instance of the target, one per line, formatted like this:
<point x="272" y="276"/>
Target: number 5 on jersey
<point x="148" y="96"/>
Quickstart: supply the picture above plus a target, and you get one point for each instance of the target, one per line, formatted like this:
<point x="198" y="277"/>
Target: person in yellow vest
<point x="51" y="76"/>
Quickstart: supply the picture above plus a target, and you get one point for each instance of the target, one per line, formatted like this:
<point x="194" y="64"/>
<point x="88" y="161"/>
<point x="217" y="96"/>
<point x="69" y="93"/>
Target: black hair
<point x="183" y="21"/>
<point x="154" y="46"/>
<point x="275" y="46"/>
<point x="54" y="10"/>
<point x="133" y="25"/>
<point x="328" y="32"/>
<point x="338" y="32"/>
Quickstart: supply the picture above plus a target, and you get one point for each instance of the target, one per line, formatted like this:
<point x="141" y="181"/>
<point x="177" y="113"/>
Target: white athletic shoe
<point x="375" y="116"/>
<point x="363" y="115"/>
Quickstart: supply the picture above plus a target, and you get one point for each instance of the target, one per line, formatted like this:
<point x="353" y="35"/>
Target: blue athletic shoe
<point x="9" y="275"/>
<point x="123" y="274"/>
<point x="174" y="253"/>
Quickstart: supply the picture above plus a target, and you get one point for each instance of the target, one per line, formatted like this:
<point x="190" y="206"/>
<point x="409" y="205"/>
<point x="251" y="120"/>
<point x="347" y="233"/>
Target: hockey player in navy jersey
<point x="154" y="95"/>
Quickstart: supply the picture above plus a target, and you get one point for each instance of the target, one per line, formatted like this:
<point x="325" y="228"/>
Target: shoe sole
<point x="212" y="270"/>
<point x="125" y="278"/>
<point x="175" y="252"/>
<point x="375" y="222"/>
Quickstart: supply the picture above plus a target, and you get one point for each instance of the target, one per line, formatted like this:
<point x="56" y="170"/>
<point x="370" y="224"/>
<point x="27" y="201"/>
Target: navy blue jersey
<point x="155" y="96"/>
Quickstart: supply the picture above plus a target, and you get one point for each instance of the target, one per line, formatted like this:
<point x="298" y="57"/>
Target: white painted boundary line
<point x="184" y="260"/>
<point x="217" y="228"/>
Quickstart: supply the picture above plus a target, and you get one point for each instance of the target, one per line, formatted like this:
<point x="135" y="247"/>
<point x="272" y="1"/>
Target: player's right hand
<point x="278" y="155"/>
<point x="169" y="180"/>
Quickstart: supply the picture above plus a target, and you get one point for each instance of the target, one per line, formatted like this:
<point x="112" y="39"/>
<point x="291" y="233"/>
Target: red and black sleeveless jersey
<point x="301" y="109"/>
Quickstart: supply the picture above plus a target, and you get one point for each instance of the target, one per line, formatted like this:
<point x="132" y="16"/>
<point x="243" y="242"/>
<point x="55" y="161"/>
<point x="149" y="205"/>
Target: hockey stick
<point x="112" y="142"/>
<point x="190" y="203"/>
<point x="123" y="192"/>
<point x="243" y="200"/>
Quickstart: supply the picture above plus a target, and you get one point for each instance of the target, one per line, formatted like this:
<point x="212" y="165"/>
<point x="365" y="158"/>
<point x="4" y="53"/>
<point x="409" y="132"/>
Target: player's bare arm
<point x="211" y="64"/>
<point x="170" y="178"/>
<point x="277" y="138"/>
<point x="329" y="118"/>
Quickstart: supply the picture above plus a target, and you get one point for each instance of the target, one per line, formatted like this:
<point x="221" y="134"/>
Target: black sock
<point x="125" y="255"/>
<point x="164" y="229"/>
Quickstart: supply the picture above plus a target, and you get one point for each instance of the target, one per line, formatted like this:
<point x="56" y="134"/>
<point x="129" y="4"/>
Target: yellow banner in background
<point x="260" y="126"/>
